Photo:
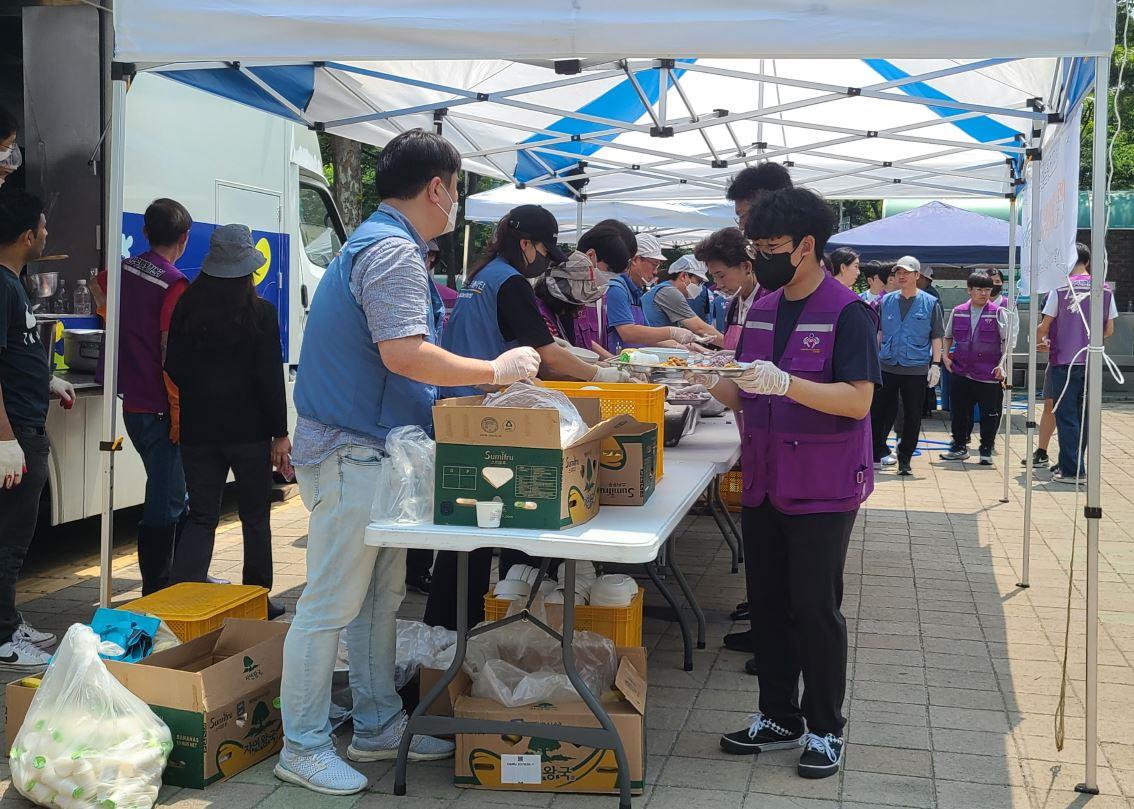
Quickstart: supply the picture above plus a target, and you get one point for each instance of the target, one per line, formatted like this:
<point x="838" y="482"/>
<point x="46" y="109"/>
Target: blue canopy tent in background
<point x="935" y="233"/>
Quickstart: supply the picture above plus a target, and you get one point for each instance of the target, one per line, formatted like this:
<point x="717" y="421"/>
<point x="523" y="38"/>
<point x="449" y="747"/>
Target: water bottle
<point x="61" y="303"/>
<point x="82" y="299"/>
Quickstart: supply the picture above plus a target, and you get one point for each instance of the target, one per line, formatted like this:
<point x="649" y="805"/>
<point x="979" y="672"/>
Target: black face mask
<point x="537" y="266"/>
<point x="997" y="289"/>
<point x="774" y="271"/>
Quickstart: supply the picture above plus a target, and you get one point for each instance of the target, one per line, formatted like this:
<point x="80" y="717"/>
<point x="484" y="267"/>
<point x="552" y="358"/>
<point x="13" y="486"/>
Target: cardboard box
<point x="628" y="467"/>
<point x="487" y="761"/>
<point x="219" y="694"/>
<point x="514" y="453"/>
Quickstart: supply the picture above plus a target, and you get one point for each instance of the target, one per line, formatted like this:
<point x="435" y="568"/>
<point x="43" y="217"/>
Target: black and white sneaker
<point x="822" y="756"/>
<point x="1039" y="458"/>
<point x="19" y="655"/>
<point x="904" y="468"/>
<point x="761" y="736"/>
<point x="29" y="633"/>
<point x="986" y="457"/>
<point x="955" y="454"/>
<point x="1058" y="477"/>
<point x="740" y="613"/>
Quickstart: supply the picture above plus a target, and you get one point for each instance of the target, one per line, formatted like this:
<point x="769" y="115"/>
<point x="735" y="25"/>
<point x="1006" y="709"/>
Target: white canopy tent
<point x="650" y="100"/>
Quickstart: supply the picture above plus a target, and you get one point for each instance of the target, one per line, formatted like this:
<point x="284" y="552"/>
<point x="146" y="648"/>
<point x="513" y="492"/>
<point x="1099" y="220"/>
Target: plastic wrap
<point x="523" y="394"/>
<point x="86" y="740"/>
<point x="405" y="487"/>
<point x="419" y="645"/>
<point x="521" y="665"/>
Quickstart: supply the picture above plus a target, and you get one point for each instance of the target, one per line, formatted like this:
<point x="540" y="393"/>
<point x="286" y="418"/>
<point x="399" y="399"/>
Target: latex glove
<point x="610" y="375"/>
<point x="683" y="336"/>
<point x="559" y="341"/>
<point x="515" y="365"/>
<point x="64" y="391"/>
<point x="764" y="378"/>
<point x="705" y="380"/>
<point x="934" y="375"/>
<point x="12" y="466"/>
<point x="281" y="456"/>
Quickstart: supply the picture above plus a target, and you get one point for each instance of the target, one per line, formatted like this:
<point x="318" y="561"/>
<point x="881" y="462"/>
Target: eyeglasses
<point x="757" y="252"/>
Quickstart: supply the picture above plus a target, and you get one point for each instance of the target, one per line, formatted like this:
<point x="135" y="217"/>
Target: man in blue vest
<point x="912" y="332"/>
<point x="370" y="363"/>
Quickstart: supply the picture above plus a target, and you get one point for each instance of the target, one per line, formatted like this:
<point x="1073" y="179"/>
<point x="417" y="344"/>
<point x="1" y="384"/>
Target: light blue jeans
<point x="351" y="586"/>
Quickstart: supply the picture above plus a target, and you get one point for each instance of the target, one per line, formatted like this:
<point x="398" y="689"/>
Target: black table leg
<point x="683" y="583"/>
<point x="720" y="516"/>
<point x="734" y="529"/>
<point x="667" y="594"/>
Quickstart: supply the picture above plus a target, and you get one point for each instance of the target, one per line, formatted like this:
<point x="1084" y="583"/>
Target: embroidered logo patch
<point x="811" y="341"/>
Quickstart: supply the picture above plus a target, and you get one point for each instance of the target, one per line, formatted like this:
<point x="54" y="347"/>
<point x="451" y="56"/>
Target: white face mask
<point x="693" y="291"/>
<point x="451" y="214"/>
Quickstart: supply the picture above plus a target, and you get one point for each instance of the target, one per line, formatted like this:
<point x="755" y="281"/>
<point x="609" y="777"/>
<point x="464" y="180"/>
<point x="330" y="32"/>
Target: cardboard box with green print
<point x="628" y="467"/>
<point x="515" y="455"/>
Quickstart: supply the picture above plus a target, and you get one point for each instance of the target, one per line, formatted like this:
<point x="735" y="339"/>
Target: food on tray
<point x="693" y="394"/>
<point x="723" y="359"/>
<point x="676" y="362"/>
<point x="639" y="358"/>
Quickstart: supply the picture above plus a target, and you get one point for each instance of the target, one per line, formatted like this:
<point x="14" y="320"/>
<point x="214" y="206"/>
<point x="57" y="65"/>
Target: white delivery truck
<point x="224" y="161"/>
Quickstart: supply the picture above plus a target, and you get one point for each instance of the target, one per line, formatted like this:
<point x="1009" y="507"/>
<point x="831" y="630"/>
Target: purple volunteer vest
<point x="802" y="460"/>
<point x="976" y="346"/>
<point x="1068" y="333"/>
<point x="145" y="280"/>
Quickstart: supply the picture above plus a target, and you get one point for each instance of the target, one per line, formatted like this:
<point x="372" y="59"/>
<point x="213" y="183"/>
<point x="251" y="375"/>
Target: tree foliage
<point x="1121" y="110"/>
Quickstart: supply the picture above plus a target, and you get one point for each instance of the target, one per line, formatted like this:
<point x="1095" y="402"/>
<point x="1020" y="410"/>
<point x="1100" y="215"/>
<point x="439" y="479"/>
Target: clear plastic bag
<point x="524" y="394"/>
<point x="522" y="665"/>
<point x="419" y="645"/>
<point x="405" y="488"/>
<point x="86" y="740"/>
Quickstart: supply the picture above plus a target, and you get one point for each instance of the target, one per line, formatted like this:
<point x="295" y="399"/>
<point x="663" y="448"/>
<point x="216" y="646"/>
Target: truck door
<point x="262" y="212"/>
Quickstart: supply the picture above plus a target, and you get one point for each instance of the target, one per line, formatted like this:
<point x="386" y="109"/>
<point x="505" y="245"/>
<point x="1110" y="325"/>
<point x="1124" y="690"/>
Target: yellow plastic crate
<point x="192" y="609"/>
<point x="646" y="403"/>
<point x="623" y="625"/>
<point x="732" y="487"/>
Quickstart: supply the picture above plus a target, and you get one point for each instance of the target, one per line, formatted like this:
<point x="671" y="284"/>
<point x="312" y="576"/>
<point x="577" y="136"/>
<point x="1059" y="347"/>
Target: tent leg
<point x="1006" y="454"/>
<point x="579" y="221"/>
<point x="1033" y="323"/>
<point x="1093" y="511"/>
<point x="112" y="247"/>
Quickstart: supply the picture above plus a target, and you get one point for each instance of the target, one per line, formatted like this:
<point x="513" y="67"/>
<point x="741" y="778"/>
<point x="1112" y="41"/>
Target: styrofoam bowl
<point x="512" y="589"/>
<point x="613" y="590"/>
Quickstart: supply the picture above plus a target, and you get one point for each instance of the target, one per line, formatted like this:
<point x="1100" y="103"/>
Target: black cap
<point x="538" y="224"/>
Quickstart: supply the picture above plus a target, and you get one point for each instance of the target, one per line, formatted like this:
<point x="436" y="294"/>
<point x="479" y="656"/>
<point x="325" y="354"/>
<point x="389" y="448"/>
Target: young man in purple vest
<point x="151" y="287"/>
<point x="805" y="403"/>
<point x="26" y="385"/>
<point x="974" y="346"/>
<point x="1065" y="329"/>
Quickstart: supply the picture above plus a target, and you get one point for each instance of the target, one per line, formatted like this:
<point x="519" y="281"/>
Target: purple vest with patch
<point x="976" y="346"/>
<point x="802" y="460"/>
<point x="1069" y="334"/>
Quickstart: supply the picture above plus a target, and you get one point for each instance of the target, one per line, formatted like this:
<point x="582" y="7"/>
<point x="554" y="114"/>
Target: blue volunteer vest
<point x="653" y="313"/>
<point x="473" y="329"/>
<point x="342" y="381"/>
<point x="906" y="342"/>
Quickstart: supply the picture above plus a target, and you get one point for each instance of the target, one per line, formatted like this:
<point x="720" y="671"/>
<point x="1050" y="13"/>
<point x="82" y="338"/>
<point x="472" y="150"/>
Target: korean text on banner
<point x="1058" y="187"/>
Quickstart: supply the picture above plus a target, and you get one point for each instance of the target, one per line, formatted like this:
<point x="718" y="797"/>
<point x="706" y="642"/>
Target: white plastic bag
<point x="525" y="394"/>
<point x="522" y="665"/>
<point x="419" y="645"/>
<point x="405" y="488"/>
<point x="86" y="740"/>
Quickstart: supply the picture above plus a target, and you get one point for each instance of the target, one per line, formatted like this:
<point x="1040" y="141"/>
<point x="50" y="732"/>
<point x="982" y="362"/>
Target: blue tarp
<point x="936" y="233"/>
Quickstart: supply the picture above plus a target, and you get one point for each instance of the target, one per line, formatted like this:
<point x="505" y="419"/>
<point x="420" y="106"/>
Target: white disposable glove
<point x="62" y="390"/>
<point x="514" y="365"/>
<point x="934" y="375"/>
<point x="706" y="380"/>
<point x="610" y="375"/>
<point x="559" y="341"/>
<point x="683" y="336"/>
<point x="764" y="378"/>
<point x="11" y="463"/>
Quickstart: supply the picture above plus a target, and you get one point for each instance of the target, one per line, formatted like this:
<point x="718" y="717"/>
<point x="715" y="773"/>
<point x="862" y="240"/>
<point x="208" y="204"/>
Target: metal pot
<point x="45" y="327"/>
<point x="41" y="284"/>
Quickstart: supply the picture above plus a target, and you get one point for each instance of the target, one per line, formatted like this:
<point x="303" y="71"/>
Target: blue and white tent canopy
<point x="650" y="100"/>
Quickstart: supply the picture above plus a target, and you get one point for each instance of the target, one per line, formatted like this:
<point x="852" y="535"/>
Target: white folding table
<point x="627" y="535"/>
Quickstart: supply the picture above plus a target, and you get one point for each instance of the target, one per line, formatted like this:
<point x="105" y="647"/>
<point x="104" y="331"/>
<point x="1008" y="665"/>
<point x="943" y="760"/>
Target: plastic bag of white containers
<point x="86" y="740"/>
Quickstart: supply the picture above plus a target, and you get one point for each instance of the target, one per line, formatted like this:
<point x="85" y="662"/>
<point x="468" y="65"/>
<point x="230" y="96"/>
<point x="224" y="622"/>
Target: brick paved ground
<point x="954" y="671"/>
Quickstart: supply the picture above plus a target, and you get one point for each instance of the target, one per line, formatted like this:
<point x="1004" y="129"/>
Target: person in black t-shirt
<point x="26" y="386"/>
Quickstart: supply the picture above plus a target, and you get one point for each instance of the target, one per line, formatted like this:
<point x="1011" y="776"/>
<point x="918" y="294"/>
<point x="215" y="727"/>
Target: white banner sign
<point x="1058" y="189"/>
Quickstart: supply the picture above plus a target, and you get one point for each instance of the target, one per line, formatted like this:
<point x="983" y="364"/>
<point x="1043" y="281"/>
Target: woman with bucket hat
<point x="224" y="356"/>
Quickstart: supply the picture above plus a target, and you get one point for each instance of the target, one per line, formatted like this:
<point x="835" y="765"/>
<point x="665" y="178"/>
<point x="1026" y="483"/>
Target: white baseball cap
<point x="687" y="263"/>
<point x="909" y="263"/>
<point x="649" y="247"/>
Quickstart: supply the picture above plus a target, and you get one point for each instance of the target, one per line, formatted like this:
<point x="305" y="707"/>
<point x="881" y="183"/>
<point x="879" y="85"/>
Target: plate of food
<point x="727" y="367"/>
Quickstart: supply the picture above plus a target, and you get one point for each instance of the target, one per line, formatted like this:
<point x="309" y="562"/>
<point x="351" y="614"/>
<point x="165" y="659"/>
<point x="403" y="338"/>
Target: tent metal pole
<point x="1033" y="318"/>
<point x="1093" y="510"/>
<point x="112" y="248"/>
<point x="1011" y="283"/>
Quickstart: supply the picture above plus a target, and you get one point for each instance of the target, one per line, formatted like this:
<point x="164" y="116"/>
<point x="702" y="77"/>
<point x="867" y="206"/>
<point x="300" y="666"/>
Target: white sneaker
<point x="890" y="460"/>
<point x="384" y="747"/>
<point x="18" y="654"/>
<point x="29" y="633"/>
<point x="323" y="772"/>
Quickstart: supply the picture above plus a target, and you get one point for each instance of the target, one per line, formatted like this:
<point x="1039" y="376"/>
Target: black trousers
<point x="418" y="562"/>
<point x="19" y="512"/>
<point x="963" y="394"/>
<point x="441" y="608"/>
<point x="206" y="470"/>
<point x="794" y="569"/>
<point x="884" y="410"/>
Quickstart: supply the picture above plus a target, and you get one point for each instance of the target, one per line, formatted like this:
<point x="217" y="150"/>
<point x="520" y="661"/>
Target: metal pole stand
<point x="725" y="522"/>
